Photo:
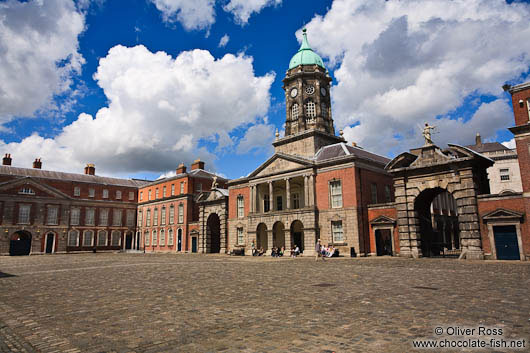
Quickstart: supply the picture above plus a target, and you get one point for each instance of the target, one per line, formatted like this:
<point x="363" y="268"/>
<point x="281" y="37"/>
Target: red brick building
<point x="44" y="211"/>
<point x="168" y="212"/>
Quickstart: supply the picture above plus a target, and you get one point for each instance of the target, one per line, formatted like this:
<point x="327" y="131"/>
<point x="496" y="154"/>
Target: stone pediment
<point x="382" y="220"/>
<point x="280" y="163"/>
<point x="14" y="187"/>
<point x="213" y="195"/>
<point x="502" y="214"/>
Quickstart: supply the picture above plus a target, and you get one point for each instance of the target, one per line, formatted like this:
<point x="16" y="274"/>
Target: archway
<point x="297" y="235"/>
<point x="128" y="241"/>
<point x="49" y="243"/>
<point x="437" y="218"/>
<point x="261" y="237"/>
<point x="278" y="235"/>
<point x="213" y="234"/>
<point x="20" y="243"/>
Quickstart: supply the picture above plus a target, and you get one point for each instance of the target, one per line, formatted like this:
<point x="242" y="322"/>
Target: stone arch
<point x="297" y="235"/>
<point x="20" y="243"/>
<point x="262" y="241"/>
<point x="213" y="233"/>
<point x="278" y="235"/>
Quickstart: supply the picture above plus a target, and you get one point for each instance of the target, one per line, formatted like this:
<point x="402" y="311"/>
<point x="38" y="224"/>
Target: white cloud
<point x="192" y="14"/>
<point x="159" y="109"/>
<point x="39" y="53"/>
<point x="258" y="138"/>
<point x="509" y="144"/>
<point x="224" y="41"/>
<point x="400" y="63"/>
<point x="243" y="9"/>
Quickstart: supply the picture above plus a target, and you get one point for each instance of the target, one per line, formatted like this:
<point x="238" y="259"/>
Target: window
<point x="336" y="193"/>
<point x="156" y="193"/>
<point x="52" y="216"/>
<point x="27" y="191"/>
<point x="279" y="203"/>
<point x="116" y="218"/>
<point x="146" y="238"/>
<point x="141" y="195"/>
<point x="77" y="192"/>
<point x="388" y="193"/>
<point x="155" y="217"/>
<point x="118" y="195"/>
<point x="505" y="174"/>
<point x="102" y="238"/>
<point x="373" y="192"/>
<point x="23" y="214"/>
<point x="131" y="195"/>
<point x="294" y="112"/>
<point x="90" y="217"/>
<point x="172" y="189"/>
<point x="105" y="193"/>
<point x="139" y="218"/>
<point x="155" y="239"/>
<point x="336" y="231"/>
<point x="75" y="215"/>
<point x="163" y="216"/>
<point x="162" y="237"/>
<point x="266" y="203"/>
<point x="181" y="213"/>
<point x="88" y="238"/>
<point x="240" y="238"/>
<point x="164" y="192"/>
<point x="296" y="200"/>
<point x="115" y="238"/>
<point x="171" y="214"/>
<point x="91" y="192"/>
<point x="130" y="218"/>
<point x="240" y="206"/>
<point x="528" y="106"/>
<point x="103" y="217"/>
<point x="310" y="109"/>
<point x="148" y="219"/>
<point x="149" y="195"/>
<point x="182" y="187"/>
<point x="170" y="237"/>
<point x="198" y="187"/>
<point x="73" y="238"/>
<point x="324" y="108"/>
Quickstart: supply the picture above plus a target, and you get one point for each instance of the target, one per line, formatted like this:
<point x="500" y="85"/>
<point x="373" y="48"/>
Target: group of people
<point x="324" y="251"/>
<point x="320" y="250"/>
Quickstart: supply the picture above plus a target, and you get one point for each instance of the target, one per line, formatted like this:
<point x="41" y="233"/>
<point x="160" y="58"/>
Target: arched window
<point x="310" y="109"/>
<point x="162" y="237"/>
<point x="155" y="238"/>
<point x="294" y="112"/>
<point x="163" y="216"/>
<point x="148" y="219"/>
<point x="88" y="238"/>
<point x="146" y="237"/>
<point x="155" y="217"/>
<point x="73" y="238"/>
<point x="116" y="238"/>
<point x="102" y="238"/>
<point x="181" y="213"/>
<point x="171" y="214"/>
<point x="170" y="237"/>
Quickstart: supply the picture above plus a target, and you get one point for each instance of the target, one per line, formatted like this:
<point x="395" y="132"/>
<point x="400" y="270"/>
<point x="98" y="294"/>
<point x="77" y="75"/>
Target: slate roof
<point x="488" y="147"/>
<point x="200" y="173"/>
<point x="341" y="149"/>
<point x="83" y="178"/>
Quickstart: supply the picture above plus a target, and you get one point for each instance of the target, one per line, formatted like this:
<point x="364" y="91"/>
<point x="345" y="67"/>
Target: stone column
<point x="271" y="197"/>
<point x="288" y="240"/>
<point x="311" y="190"/>
<point x="251" y="210"/>
<point x="306" y="198"/>
<point x="288" y="191"/>
<point x="270" y="234"/>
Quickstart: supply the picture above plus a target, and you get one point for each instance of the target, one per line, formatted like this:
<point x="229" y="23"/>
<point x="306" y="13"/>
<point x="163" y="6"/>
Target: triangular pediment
<point x="280" y="163"/>
<point x="16" y="186"/>
<point x="383" y="220"/>
<point x="502" y="214"/>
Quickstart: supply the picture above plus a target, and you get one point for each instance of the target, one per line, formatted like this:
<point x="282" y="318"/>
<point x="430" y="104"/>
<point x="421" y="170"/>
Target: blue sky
<point x="137" y="89"/>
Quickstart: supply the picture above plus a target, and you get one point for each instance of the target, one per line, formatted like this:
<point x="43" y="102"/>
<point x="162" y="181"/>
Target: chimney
<point x="478" y="140"/>
<point x="90" y="169"/>
<point x="181" y="169"/>
<point x="37" y="164"/>
<point x="197" y="164"/>
<point x="7" y="159"/>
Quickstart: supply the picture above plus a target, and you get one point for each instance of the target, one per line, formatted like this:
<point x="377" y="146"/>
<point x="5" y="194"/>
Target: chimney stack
<point x="181" y="169"/>
<point x="90" y="169"/>
<point x="197" y="164"/>
<point x="37" y="164"/>
<point x="7" y="159"/>
<point x="478" y="140"/>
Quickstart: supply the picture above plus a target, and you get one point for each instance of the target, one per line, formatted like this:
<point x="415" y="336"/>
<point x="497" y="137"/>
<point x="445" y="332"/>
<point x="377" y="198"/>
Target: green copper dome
<point x="305" y="55"/>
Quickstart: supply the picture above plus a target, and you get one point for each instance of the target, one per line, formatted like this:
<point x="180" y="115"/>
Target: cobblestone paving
<point x="215" y="303"/>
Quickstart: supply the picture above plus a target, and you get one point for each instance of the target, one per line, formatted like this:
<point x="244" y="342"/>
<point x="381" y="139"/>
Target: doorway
<point x="506" y="242"/>
<point x="20" y="243"/>
<point x="50" y="243"/>
<point x="383" y="242"/>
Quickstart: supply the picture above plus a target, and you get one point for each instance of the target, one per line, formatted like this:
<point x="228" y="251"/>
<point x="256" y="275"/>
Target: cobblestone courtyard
<point x="210" y="303"/>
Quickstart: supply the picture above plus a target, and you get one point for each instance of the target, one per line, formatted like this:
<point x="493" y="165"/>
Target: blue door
<point x="179" y="240"/>
<point x="506" y="243"/>
<point x="194" y="244"/>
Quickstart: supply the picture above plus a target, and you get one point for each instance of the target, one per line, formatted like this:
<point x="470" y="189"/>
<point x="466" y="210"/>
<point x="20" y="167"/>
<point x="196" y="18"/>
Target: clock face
<point x="310" y="90"/>
<point x="294" y="92"/>
<point x="323" y="91"/>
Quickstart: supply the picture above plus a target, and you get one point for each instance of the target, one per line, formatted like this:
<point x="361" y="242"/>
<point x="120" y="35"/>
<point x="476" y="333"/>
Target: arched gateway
<point x="423" y="174"/>
<point x="20" y="243"/>
<point x="213" y="215"/>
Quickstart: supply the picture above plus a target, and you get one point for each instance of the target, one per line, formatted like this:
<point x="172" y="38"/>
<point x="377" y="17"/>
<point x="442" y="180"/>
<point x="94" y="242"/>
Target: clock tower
<point x="308" y="123"/>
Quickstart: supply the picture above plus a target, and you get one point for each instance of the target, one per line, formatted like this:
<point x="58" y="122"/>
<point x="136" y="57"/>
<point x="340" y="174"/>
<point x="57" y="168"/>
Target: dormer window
<point x="27" y="191"/>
